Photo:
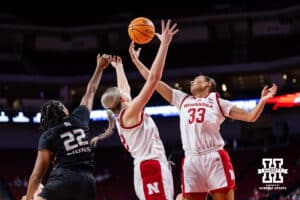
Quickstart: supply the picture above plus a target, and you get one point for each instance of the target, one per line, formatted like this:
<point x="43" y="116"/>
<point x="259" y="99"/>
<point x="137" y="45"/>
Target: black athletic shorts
<point x="67" y="184"/>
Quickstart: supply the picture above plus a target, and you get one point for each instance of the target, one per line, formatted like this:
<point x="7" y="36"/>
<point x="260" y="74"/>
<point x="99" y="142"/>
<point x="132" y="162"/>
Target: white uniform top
<point x="200" y="121"/>
<point x="142" y="140"/>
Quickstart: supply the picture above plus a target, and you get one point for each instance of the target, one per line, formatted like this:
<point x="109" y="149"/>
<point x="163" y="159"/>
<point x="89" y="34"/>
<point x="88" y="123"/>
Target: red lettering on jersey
<point x="209" y="105"/>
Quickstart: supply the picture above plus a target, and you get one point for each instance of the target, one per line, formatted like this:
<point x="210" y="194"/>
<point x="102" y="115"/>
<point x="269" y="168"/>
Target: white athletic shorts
<point x="208" y="172"/>
<point x="153" y="180"/>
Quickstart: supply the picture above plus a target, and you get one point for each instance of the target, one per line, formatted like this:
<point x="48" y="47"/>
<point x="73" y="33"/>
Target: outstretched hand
<point x="103" y="60"/>
<point x="268" y="93"/>
<point x="134" y="54"/>
<point x="165" y="37"/>
<point x="116" y="62"/>
<point x="167" y="33"/>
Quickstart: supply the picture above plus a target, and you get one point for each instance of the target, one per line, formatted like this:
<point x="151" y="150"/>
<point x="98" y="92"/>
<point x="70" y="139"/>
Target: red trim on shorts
<point x="129" y="127"/>
<point x="227" y="166"/>
<point x="223" y="189"/>
<point x="183" y="101"/>
<point x="219" y="105"/>
<point x="196" y="195"/>
<point x="152" y="180"/>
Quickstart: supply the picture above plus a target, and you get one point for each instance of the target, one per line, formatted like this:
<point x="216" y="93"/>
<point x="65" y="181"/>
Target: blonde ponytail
<point x="111" y="97"/>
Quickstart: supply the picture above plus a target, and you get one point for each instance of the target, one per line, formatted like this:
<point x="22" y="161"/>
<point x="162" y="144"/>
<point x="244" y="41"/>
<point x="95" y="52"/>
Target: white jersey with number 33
<point x="200" y="121"/>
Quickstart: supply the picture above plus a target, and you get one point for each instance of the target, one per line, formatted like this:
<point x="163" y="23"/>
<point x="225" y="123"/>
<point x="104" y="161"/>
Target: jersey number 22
<point x="74" y="139"/>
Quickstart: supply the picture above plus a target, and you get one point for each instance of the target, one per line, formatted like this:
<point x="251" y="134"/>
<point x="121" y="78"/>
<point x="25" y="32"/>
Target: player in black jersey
<point x="65" y="138"/>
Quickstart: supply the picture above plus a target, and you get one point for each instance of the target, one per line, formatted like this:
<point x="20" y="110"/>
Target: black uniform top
<point x="69" y="142"/>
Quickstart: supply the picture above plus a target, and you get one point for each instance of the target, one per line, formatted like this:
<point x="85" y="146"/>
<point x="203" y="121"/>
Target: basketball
<point x="141" y="30"/>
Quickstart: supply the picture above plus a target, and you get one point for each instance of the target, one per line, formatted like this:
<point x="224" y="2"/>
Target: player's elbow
<point x="251" y="119"/>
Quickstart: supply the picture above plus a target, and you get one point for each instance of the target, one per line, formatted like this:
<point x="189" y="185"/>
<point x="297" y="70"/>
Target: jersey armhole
<point x="183" y="101"/>
<point x="219" y="105"/>
<point x="133" y="126"/>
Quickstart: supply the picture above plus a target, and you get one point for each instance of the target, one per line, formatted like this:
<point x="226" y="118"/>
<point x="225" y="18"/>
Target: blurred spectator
<point x="281" y="197"/>
<point x="235" y="144"/>
<point x="296" y="195"/>
<point x="25" y="182"/>
<point x="18" y="182"/>
<point x="256" y="195"/>
<point x="5" y="193"/>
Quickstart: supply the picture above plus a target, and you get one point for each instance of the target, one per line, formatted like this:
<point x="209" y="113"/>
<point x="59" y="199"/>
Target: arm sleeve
<point x="225" y="106"/>
<point x="177" y="97"/>
<point x="82" y="114"/>
<point x="43" y="142"/>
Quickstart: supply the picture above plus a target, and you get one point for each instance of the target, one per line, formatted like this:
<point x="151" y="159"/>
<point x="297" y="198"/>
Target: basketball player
<point x="138" y="132"/>
<point x="206" y="167"/>
<point x="65" y="137"/>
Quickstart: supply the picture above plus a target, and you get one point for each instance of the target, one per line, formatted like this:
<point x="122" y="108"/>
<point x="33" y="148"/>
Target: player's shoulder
<point x="80" y="113"/>
<point x="180" y="92"/>
<point x="213" y="96"/>
<point x="47" y="134"/>
<point x="49" y="131"/>
<point x="71" y="123"/>
<point x="57" y="129"/>
<point x="80" y="109"/>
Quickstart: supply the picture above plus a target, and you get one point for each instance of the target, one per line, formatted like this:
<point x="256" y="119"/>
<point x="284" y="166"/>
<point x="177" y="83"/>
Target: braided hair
<point x="52" y="113"/>
<point x="108" y="132"/>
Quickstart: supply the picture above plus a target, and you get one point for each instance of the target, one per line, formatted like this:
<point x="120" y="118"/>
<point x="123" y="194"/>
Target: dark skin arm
<point x="88" y="98"/>
<point x="41" y="166"/>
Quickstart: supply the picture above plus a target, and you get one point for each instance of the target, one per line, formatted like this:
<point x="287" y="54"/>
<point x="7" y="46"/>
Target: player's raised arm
<point x="162" y="88"/>
<point x="122" y="81"/>
<point x="137" y="105"/>
<point x="253" y="115"/>
<point x="88" y="98"/>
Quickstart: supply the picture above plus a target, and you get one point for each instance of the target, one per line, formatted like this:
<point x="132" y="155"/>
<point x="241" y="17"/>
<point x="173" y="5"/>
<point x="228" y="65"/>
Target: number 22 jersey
<point x="69" y="141"/>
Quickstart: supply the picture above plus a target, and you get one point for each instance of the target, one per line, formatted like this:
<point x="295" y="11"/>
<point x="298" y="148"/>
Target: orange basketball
<point x="141" y="30"/>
